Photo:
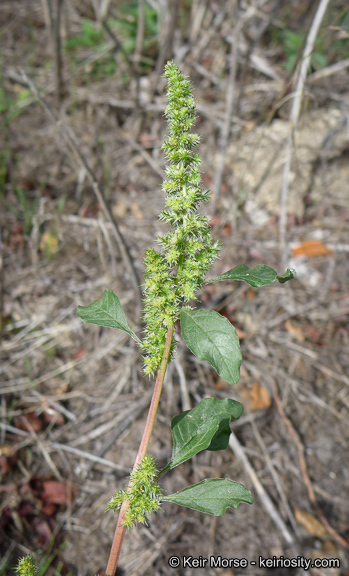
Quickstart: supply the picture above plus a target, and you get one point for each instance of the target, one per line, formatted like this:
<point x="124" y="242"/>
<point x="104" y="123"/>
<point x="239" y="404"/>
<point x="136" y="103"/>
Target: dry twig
<point x="275" y="476"/>
<point x="71" y="140"/>
<point x="233" y="64"/>
<point x="262" y="493"/>
<point x="296" y="106"/>
<point x="304" y="469"/>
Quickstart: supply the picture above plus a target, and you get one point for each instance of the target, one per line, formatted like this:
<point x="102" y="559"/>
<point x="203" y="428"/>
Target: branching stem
<point x="120" y="529"/>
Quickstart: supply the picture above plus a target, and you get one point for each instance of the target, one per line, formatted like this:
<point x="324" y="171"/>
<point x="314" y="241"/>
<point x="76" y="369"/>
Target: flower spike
<point x="175" y="273"/>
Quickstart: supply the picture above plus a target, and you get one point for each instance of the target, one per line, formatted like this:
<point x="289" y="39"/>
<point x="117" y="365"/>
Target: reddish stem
<point x="143" y="447"/>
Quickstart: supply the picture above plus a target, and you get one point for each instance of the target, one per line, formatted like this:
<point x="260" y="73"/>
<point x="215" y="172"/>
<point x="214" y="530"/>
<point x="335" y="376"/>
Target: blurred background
<point x="82" y="99"/>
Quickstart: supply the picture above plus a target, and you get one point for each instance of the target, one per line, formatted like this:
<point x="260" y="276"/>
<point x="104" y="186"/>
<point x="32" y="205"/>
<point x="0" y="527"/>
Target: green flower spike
<point x="26" y="567"/>
<point x="143" y="494"/>
<point x="174" y="274"/>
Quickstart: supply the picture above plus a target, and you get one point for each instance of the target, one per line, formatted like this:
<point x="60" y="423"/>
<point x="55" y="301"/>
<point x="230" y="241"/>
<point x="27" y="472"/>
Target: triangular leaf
<point x="213" y="496"/>
<point x="205" y="427"/>
<point x="107" y="311"/>
<point x="211" y="337"/>
<point x="259" y="276"/>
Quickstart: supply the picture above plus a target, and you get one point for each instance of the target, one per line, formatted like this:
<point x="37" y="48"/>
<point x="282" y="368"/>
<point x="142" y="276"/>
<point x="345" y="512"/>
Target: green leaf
<point x="259" y="276"/>
<point x="211" y="337"/>
<point x="289" y="275"/>
<point x="107" y="311"/>
<point x="205" y="427"/>
<point x="213" y="496"/>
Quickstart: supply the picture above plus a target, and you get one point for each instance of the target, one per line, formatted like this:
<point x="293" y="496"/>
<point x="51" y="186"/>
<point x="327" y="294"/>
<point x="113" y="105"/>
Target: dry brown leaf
<point x="311" y="524"/>
<point x="119" y="209"/>
<point x="28" y="422"/>
<point x="57" y="492"/>
<point x="311" y="249"/>
<point x="251" y="294"/>
<point x="256" y="397"/>
<point x="136" y="211"/>
<point x="49" y="509"/>
<point x="295" y="330"/>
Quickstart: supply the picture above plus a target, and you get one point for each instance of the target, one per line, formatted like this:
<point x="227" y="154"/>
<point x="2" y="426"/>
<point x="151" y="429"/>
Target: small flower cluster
<point x="174" y="275"/>
<point x="143" y="494"/>
<point x="26" y="567"/>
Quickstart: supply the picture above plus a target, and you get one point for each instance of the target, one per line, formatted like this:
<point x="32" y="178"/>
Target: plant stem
<point x="142" y="451"/>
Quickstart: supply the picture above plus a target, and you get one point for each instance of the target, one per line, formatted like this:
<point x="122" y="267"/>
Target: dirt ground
<point x="74" y="399"/>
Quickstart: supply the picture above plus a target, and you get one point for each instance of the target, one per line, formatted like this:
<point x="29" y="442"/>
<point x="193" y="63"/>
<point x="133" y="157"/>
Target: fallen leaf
<point x="119" y="210"/>
<point x="28" y="422"/>
<point x="227" y="230"/>
<point x="311" y="249"/>
<point x="296" y="331"/>
<point x="55" y="492"/>
<point x="251" y="294"/>
<point x="311" y="524"/>
<point x="256" y="398"/>
<point x="49" y="509"/>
